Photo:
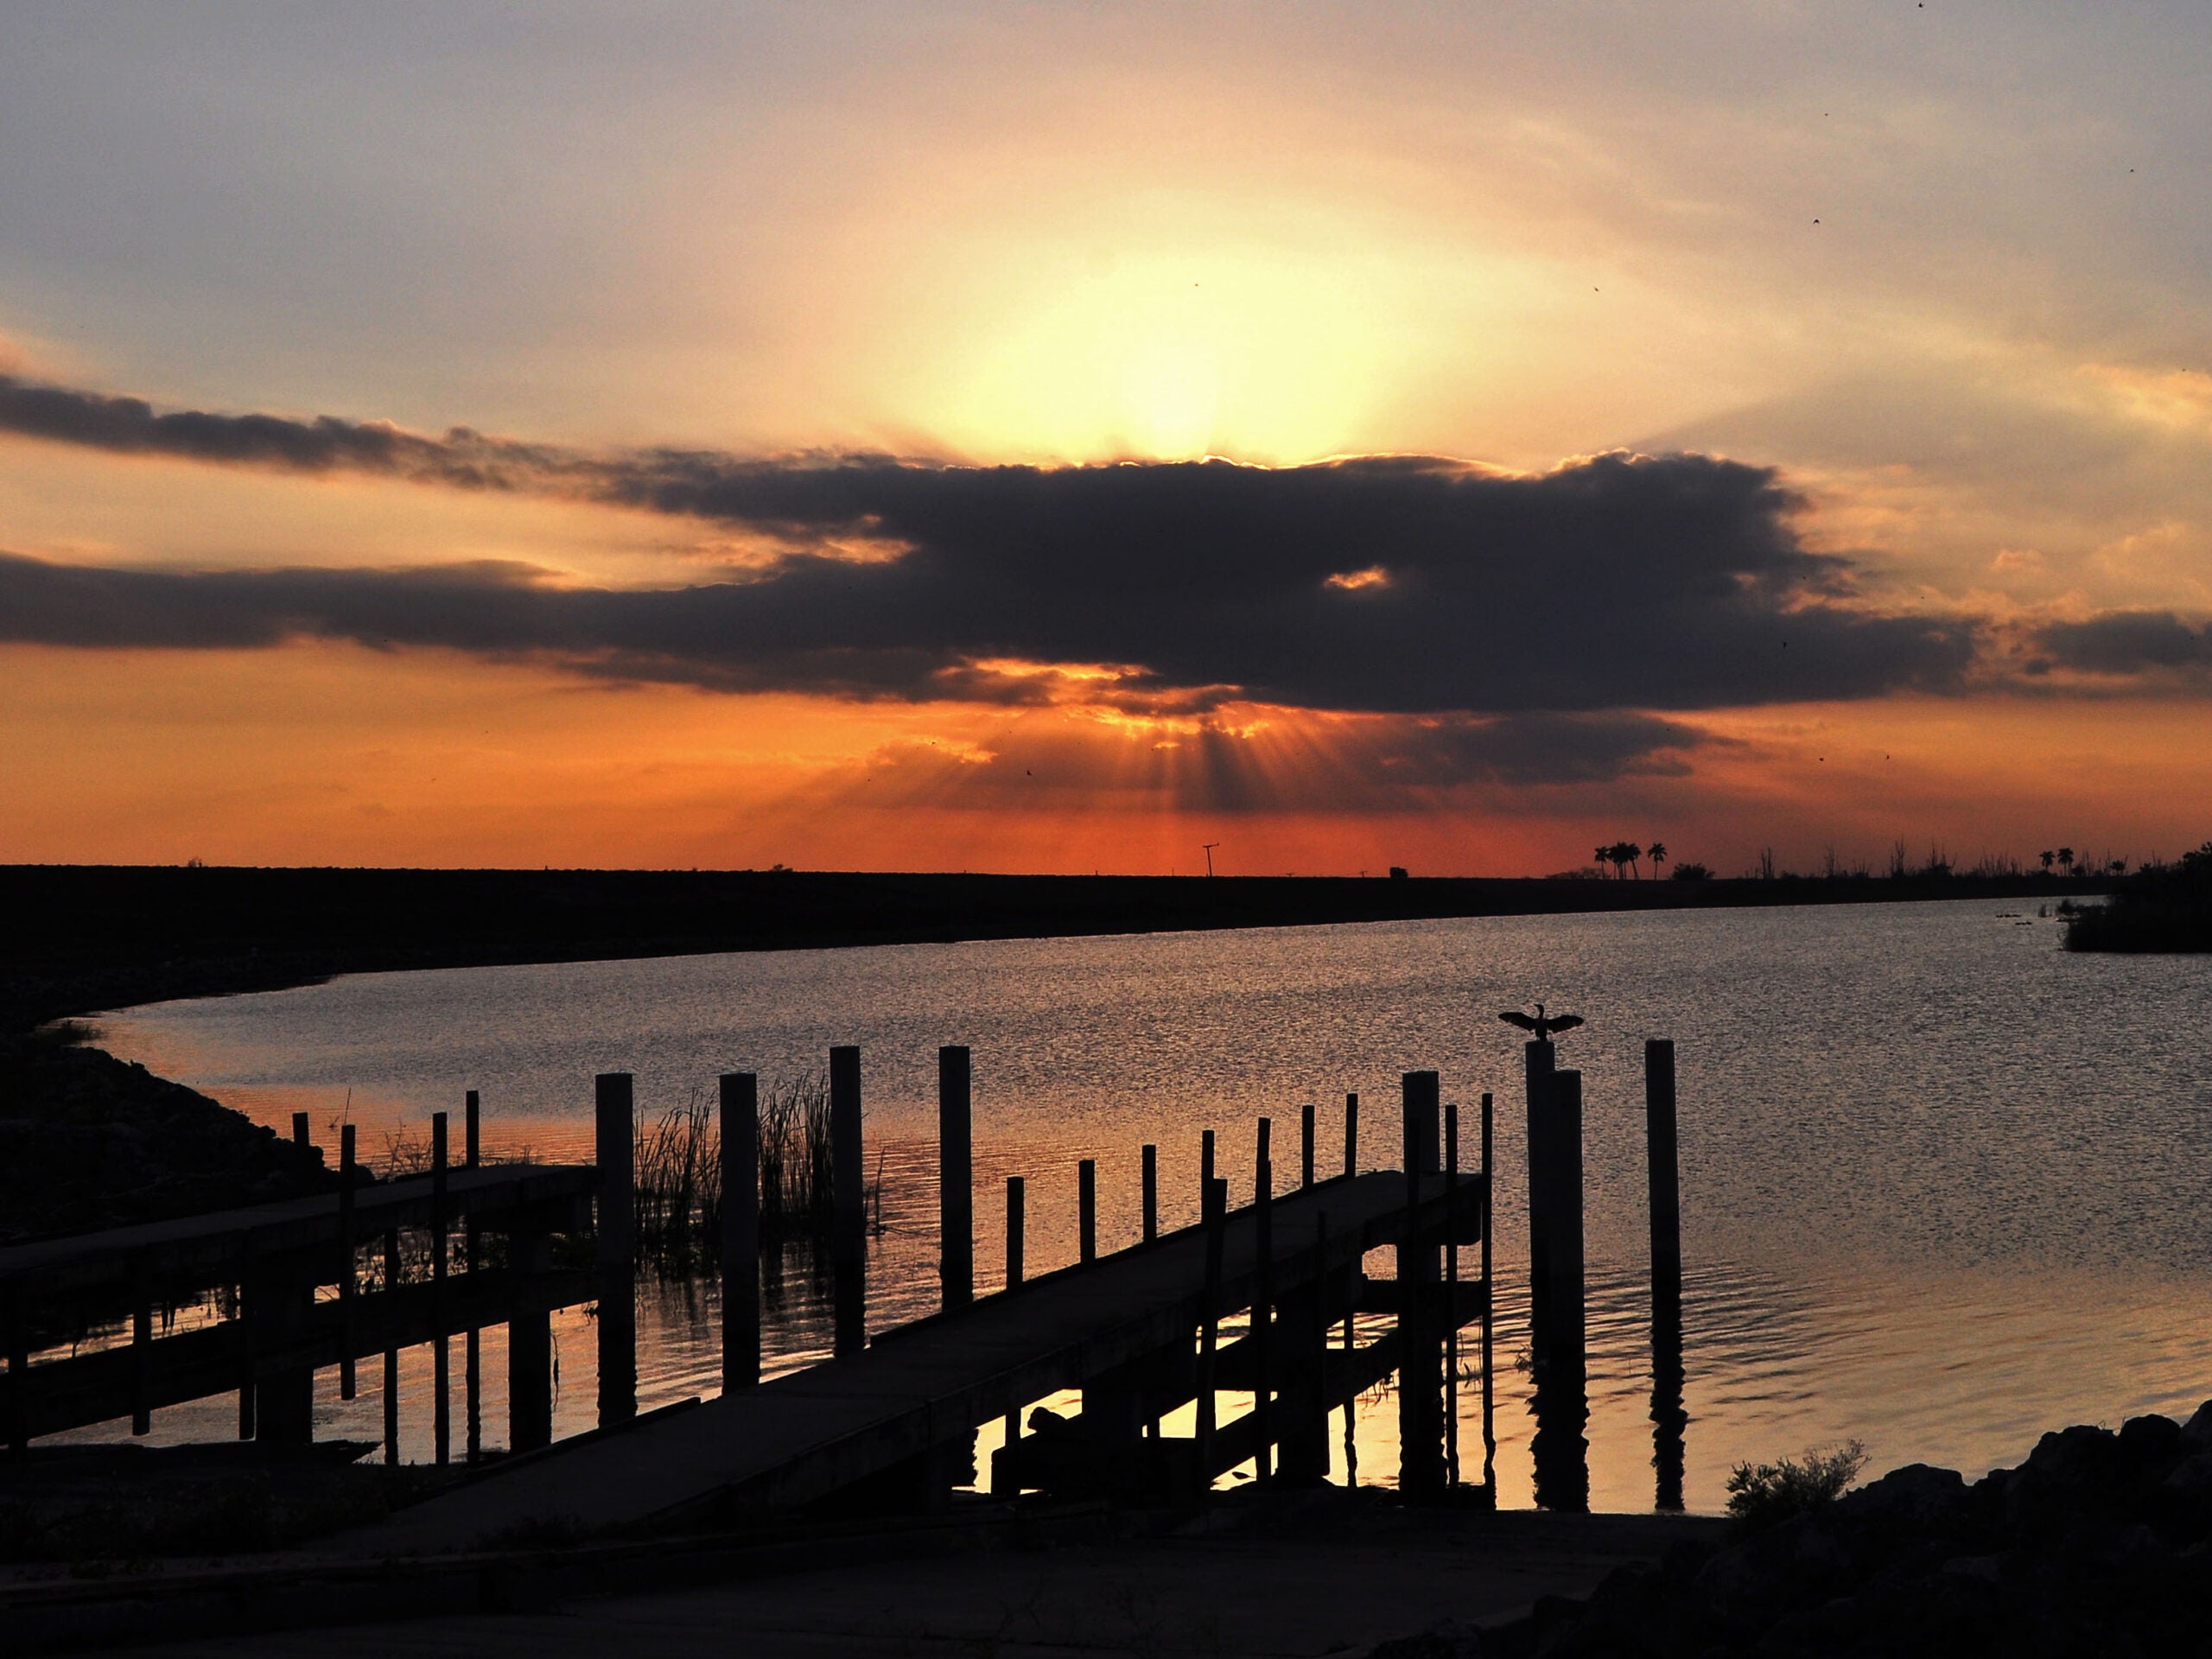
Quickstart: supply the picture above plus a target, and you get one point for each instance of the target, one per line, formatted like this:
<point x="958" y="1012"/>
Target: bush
<point x="1763" y="1494"/>
<point x="1692" y="873"/>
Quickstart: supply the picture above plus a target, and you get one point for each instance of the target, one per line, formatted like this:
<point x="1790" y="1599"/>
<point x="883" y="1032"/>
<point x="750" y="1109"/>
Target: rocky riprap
<point x="2100" y="1544"/>
<point x="89" y="1141"/>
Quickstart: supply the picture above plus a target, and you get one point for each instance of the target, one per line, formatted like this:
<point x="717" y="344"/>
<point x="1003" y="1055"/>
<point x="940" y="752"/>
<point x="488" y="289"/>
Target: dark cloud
<point x="2127" y="643"/>
<point x="1371" y="762"/>
<point x="1404" y="584"/>
<point x="129" y="426"/>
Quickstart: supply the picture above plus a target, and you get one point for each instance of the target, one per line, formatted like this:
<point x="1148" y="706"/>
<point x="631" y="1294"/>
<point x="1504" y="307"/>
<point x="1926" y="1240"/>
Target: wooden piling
<point x="472" y="1242"/>
<point x="1420" y="1467"/>
<point x="1538" y="1066"/>
<point x="441" y="1360"/>
<point x="244" y="1338"/>
<point x="1560" y="1451"/>
<point x="1151" y="1193"/>
<point x="1262" y="1168"/>
<point x="142" y="1347"/>
<point x="349" y="1273"/>
<point x="1263" y="1315"/>
<point x="1490" y="1433"/>
<point x="1352" y="1135"/>
<point x="530" y="1344"/>
<point x="849" y="1195"/>
<point x="1086" y="1209"/>
<point x="1306" y="1144"/>
<point x="1213" y="1209"/>
<point x="741" y="1240"/>
<point x="1004" y="1485"/>
<point x="300" y="1137"/>
<point x="615" y="1126"/>
<point x="392" y="1276"/>
<point x="956" y="1178"/>
<point x="1451" y="1294"/>
<point x="1206" y="1166"/>
<point x="1669" y="1420"/>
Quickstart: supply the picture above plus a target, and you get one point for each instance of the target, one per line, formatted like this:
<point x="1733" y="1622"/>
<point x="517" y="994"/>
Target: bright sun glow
<point x="1173" y="355"/>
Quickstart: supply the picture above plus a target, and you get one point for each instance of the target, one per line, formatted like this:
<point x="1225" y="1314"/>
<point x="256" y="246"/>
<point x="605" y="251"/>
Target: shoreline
<point x="93" y="939"/>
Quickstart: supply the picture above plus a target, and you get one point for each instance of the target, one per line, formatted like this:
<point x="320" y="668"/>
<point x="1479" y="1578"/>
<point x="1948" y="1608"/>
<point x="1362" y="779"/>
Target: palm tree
<point x="2066" y="860"/>
<point x="1605" y="855"/>
<point x="2049" y="859"/>
<point x="1656" y="852"/>
<point x="1632" y="852"/>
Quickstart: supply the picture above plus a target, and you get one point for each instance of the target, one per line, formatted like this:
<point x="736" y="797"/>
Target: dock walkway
<point x="922" y="1389"/>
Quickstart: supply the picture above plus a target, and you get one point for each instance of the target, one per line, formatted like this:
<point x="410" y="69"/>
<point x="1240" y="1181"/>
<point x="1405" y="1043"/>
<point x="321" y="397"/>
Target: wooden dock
<point x="888" y="1425"/>
<point x="895" y="1420"/>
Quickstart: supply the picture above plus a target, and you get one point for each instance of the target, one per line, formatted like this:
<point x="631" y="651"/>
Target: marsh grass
<point x="678" y="1213"/>
<point x="1766" y="1494"/>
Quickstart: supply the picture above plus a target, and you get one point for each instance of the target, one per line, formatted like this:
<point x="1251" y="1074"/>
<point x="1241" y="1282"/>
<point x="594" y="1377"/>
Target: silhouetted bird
<point x="1541" y="1024"/>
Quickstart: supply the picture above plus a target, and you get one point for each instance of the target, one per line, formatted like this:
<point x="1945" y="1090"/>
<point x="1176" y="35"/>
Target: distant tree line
<point x="1624" y="859"/>
<point x="2160" y="907"/>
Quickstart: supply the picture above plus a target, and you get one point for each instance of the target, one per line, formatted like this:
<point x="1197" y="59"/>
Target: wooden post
<point x="1086" y="1209"/>
<point x="1352" y="1135"/>
<point x="1205" y="1166"/>
<point x="349" y="1265"/>
<point x="1538" y="1066"/>
<point x="1306" y="1144"/>
<point x="1151" y="1184"/>
<point x="1490" y="1434"/>
<point x="300" y="1130"/>
<point x="1263" y="1315"/>
<point x="1213" y="1207"/>
<point x="440" y="1358"/>
<point x="1560" y="1451"/>
<point x="741" y="1239"/>
<point x="1669" y="1420"/>
<point x="529" y="1345"/>
<point x="1262" y="1169"/>
<point x="849" y="1194"/>
<point x="1004" y="1482"/>
<point x="956" y="1178"/>
<point x="142" y="1347"/>
<point x="1420" y="1467"/>
<point x="616" y="1132"/>
<point x="392" y="1273"/>
<point x="473" y="1244"/>
<point x="1451" y="1294"/>
<point x="1302" y="1446"/>
<point x="248" y="1310"/>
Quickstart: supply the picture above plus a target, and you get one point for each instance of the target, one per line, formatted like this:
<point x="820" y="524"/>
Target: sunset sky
<point x="1053" y="437"/>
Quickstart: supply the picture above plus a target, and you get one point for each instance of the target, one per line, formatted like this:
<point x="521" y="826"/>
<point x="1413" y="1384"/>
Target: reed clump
<point x="679" y="1191"/>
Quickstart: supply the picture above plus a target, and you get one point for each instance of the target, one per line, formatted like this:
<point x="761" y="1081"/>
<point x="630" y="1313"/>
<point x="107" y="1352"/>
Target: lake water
<point x="1943" y="1185"/>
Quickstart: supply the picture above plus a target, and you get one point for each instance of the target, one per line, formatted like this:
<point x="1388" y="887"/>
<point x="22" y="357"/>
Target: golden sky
<point x="1905" y="306"/>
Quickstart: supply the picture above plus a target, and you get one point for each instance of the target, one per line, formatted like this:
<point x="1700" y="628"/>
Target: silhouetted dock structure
<point x="1260" y="1300"/>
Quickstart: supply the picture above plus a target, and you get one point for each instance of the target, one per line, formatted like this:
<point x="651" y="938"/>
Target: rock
<point x="2079" y="1458"/>
<point x="1917" y="1495"/>
<point x="2151" y="1442"/>
<point x="2196" y="1433"/>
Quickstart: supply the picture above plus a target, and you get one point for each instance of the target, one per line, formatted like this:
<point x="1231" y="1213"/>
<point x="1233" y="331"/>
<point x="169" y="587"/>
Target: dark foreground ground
<point x="1326" y="1576"/>
<point x="77" y="939"/>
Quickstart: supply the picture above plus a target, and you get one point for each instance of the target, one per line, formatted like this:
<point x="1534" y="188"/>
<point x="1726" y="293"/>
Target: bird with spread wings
<point x="1540" y="1024"/>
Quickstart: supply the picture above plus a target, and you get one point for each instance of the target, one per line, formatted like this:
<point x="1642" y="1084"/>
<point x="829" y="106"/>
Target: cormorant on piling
<point x="1541" y="1024"/>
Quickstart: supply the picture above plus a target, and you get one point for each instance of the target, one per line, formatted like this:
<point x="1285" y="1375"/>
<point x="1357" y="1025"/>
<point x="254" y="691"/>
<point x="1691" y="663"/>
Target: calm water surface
<point x="1943" y="1185"/>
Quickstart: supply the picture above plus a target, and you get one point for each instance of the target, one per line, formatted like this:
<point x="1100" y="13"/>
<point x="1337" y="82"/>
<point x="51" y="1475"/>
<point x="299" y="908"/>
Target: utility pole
<point x="1207" y="847"/>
